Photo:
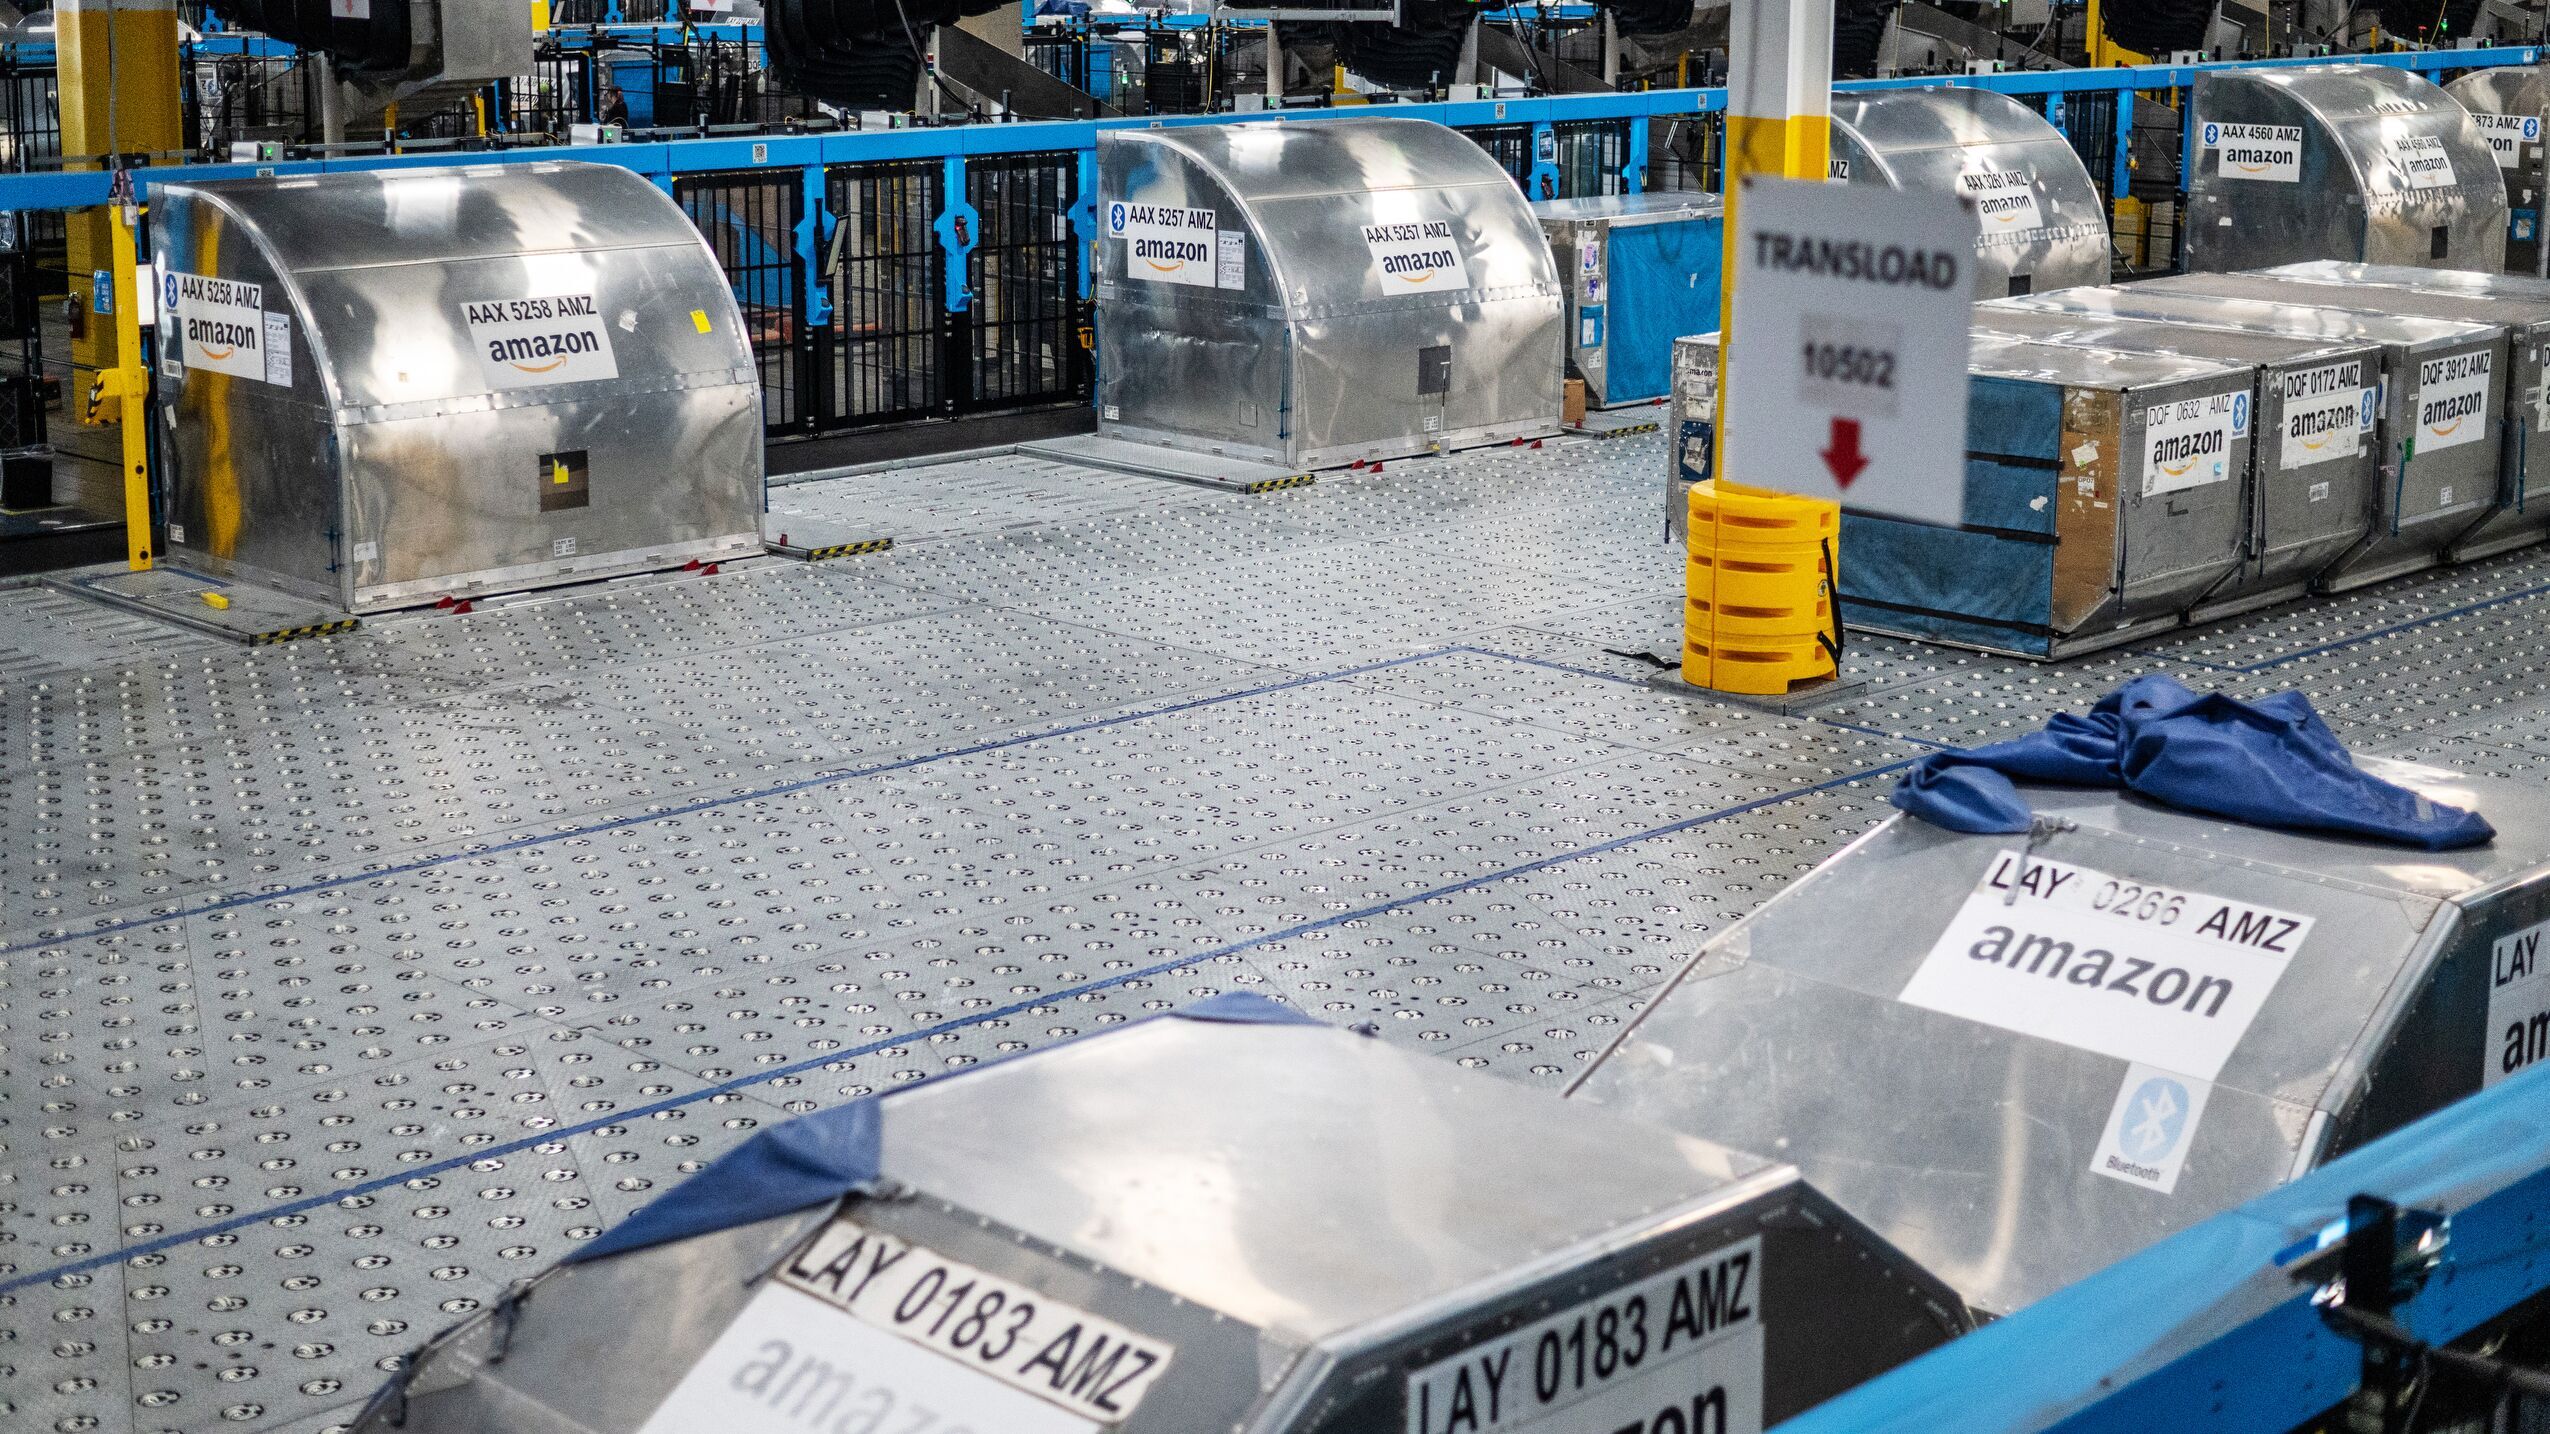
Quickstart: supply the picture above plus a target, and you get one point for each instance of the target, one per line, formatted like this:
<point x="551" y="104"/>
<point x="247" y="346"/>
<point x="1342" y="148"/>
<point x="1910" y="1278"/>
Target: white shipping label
<point x="1230" y="258"/>
<point x="791" y="1364"/>
<point x="533" y="343"/>
<point x="2507" y="135"/>
<point x="2108" y="964"/>
<point x="1095" y="1368"/>
<point x="2419" y="162"/>
<point x="2518" y="1004"/>
<point x="2268" y="152"/>
<point x="1165" y="244"/>
<point x="2187" y="444"/>
<point x="2004" y="199"/>
<point x="2327" y="412"/>
<point x="2452" y="400"/>
<point x="1419" y="258"/>
<point x="221" y="323"/>
<point x="279" y="350"/>
<point x="1680" y="1350"/>
<point x="1699" y="378"/>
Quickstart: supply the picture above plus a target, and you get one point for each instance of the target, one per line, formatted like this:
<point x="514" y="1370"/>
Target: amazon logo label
<point x="553" y="339"/>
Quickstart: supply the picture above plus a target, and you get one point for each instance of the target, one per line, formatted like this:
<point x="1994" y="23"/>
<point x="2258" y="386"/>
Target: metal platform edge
<point x="252" y="628"/>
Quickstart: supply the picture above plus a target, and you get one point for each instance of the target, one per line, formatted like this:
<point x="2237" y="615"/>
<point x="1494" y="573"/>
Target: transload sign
<point x="1846" y="367"/>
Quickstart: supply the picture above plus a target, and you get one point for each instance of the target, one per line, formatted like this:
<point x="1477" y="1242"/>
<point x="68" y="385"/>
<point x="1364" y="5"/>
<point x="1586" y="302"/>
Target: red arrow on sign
<point x="1841" y="454"/>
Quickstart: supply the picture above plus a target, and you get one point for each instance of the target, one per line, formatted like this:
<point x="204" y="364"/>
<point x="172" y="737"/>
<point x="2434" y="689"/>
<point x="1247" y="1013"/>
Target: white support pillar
<point x="1779" y="123"/>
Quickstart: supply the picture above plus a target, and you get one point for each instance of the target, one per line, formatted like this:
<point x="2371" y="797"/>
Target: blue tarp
<point x="1664" y="284"/>
<point x="2272" y="763"/>
<point x="816" y="1159"/>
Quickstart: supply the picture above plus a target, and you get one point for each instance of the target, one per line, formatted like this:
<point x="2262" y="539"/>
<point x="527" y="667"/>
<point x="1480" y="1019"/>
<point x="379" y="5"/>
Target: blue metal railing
<point x="2211" y="1331"/>
<point x="665" y="161"/>
<point x="800" y="160"/>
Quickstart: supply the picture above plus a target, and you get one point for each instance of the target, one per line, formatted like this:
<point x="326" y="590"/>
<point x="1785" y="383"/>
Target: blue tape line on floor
<point x="2269" y="664"/>
<point x="758" y="794"/>
<point x="820" y="779"/>
<point x="312" y="1202"/>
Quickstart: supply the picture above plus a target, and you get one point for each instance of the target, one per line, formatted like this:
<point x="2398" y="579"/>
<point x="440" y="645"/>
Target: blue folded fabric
<point x="2271" y="763"/>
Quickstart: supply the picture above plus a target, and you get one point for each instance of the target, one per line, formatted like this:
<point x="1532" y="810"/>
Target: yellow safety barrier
<point x="1758" y="614"/>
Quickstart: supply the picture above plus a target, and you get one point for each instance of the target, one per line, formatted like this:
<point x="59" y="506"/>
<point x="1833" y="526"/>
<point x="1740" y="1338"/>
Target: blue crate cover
<point x="2271" y="763"/>
<point x="1991" y="584"/>
<point x="1664" y="284"/>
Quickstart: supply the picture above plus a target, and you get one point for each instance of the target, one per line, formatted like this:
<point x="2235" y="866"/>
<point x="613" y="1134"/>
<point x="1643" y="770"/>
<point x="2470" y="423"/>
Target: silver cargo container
<point x="1320" y="292"/>
<point x="1276" y="1227"/>
<point x="2360" y="162"/>
<point x="2430" y="494"/>
<point x="2059" y="1048"/>
<point x="1641" y="270"/>
<point x="2104" y="496"/>
<point x="2519" y="302"/>
<point x="1691" y="429"/>
<point x="389" y="387"/>
<point x="2312" y="460"/>
<point x="2509" y="106"/>
<point x="2043" y="223"/>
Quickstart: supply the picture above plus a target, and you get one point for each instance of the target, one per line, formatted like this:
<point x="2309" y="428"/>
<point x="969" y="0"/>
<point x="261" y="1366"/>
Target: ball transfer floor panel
<point x="345" y="981"/>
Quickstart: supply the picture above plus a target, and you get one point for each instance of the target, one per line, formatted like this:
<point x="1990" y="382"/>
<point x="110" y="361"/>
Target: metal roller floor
<point x="344" y="981"/>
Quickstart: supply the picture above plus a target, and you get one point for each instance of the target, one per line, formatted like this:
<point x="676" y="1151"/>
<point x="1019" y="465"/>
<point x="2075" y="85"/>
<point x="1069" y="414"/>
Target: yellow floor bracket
<point x="1758" y="613"/>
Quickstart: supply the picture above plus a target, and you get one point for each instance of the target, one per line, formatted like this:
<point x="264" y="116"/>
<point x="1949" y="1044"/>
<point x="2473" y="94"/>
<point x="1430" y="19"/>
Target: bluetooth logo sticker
<point x="2365" y="419"/>
<point x="2239" y="414"/>
<point x="2155" y="1118"/>
<point x="2151" y="1127"/>
<point x="168" y="288"/>
<point x="1115" y="217"/>
<point x="2213" y="135"/>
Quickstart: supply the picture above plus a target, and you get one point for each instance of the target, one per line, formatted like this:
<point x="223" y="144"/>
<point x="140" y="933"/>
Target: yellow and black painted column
<point x="1759" y="587"/>
<point x="117" y="62"/>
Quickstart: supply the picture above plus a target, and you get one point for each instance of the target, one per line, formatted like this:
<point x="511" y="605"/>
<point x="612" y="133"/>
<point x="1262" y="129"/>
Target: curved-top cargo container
<point x="390" y="387"/>
<point x="2509" y="106"/>
<point x="2366" y="163"/>
<point x="1315" y="293"/>
<point x="2043" y="223"/>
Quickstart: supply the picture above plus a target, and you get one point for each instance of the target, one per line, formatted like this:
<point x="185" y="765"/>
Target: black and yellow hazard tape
<point x="316" y="629"/>
<point x="849" y="550"/>
<point x="1622" y="432"/>
<point x="1273" y="485"/>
